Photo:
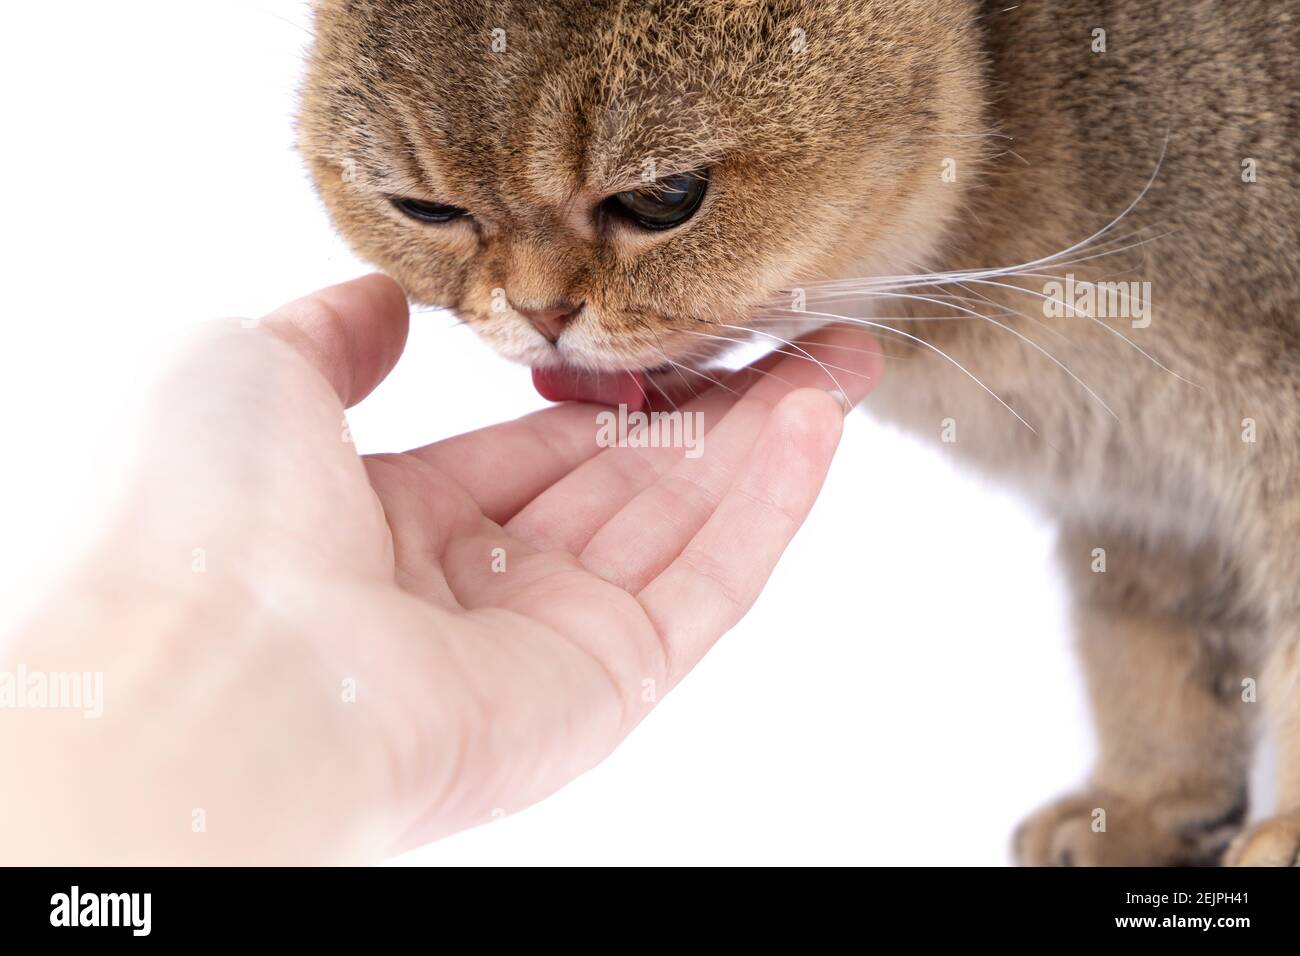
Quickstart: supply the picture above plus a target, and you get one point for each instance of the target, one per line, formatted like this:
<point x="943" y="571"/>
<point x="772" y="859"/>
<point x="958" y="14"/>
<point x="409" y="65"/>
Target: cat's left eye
<point x="422" y="211"/>
<point x="667" y="203"/>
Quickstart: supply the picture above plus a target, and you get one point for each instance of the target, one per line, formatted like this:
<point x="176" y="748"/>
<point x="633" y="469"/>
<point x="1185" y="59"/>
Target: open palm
<point x="506" y="605"/>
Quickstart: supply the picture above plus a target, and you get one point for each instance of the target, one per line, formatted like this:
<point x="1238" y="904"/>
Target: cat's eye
<point x="422" y="211"/>
<point x="667" y="203"/>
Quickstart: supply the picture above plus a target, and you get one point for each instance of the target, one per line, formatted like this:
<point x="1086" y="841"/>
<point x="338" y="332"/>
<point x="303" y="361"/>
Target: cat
<point x="1078" y="221"/>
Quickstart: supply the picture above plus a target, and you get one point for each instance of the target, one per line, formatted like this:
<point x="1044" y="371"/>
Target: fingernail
<point x="840" y="397"/>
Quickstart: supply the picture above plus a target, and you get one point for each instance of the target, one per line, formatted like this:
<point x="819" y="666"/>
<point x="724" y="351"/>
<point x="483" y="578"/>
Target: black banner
<point x="360" y="905"/>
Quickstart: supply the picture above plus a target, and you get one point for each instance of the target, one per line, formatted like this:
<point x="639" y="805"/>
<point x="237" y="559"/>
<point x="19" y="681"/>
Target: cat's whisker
<point x="821" y="345"/>
<point x="886" y="328"/>
<point x="764" y="372"/>
<point x="851" y="348"/>
<point x="718" y="382"/>
<point x="646" y="395"/>
<point x="660" y="389"/>
<point x="780" y="351"/>
<point x="851" y="294"/>
<point x="759" y="319"/>
<point x="950" y="301"/>
<point x="987" y="278"/>
<point x="1048" y="355"/>
<point x="1055" y="361"/>
<point x="984" y="276"/>
<point x="1036" y="347"/>
<point x="1010" y="312"/>
<point x="1133" y="243"/>
<point x="828" y="372"/>
<point x="988" y="134"/>
<point x="1046" y="260"/>
<point x="957" y="276"/>
<point x="973" y="314"/>
<point x="1109" y="328"/>
<point x="676" y="368"/>
<point x="1131" y="206"/>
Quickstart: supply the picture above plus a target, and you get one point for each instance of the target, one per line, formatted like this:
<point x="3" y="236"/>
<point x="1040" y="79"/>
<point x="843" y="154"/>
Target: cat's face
<point x="606" y="185"/>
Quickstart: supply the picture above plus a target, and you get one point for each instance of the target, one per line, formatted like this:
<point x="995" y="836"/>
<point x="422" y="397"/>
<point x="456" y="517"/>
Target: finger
<point x="568" y="515"/>
<point x="351" y="333"/>
<point x="506" y="466"/>
<point x="643" y="538"/>
<point x="720" y="573"/>
<point x="679" y="384"/>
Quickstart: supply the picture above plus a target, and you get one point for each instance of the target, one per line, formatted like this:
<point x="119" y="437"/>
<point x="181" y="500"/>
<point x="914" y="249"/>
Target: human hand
<point x="380" y="650"/>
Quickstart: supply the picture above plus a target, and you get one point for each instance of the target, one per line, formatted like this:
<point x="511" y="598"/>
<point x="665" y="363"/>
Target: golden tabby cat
<point x="1079" y="220"/>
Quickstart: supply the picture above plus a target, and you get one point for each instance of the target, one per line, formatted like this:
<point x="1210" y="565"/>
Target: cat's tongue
<point x="607" y="388"/>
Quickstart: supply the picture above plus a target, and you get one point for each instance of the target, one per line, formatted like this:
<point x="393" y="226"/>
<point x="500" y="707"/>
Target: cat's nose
<point x="552" y="319"/>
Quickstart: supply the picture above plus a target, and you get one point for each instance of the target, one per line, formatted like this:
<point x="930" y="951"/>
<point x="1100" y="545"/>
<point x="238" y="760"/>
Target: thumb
<point x="353" y="333"/>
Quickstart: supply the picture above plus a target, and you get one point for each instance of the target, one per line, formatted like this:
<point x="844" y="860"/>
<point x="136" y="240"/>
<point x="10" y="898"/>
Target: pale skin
<point x="311" y="656"/>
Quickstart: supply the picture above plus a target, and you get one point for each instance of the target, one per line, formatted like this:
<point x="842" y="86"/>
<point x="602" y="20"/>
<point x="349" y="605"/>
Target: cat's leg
<point x="1174" y="739"/>
<point x="1276" y="841"/>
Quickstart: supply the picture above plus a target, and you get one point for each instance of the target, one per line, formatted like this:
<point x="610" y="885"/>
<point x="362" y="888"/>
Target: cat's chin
<point x="560" y="384"/>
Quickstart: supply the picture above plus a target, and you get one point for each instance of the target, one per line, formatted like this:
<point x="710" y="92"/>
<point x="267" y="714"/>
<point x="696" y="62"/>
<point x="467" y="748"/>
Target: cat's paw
<point x="1097" y="829"/>
<point x="1274" y="842"/>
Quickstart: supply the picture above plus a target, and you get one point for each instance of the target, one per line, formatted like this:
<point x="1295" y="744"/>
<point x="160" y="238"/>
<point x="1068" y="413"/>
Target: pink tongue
<point x="608" y="388"/>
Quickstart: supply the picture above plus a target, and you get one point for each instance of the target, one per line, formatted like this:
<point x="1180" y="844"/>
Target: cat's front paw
<point x="1098" y="829"/>
<point x="1274" y="842"/>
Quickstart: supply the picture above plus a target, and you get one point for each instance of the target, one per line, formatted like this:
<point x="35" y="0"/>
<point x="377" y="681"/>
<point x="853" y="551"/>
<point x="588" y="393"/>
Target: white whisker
<point x="718" y="382"/>
<point x="780" y="351"/>
<point x="1111" y="329"/>
<point x="946" y="356"/>
<point x="828" y="372"/>
<point x="658" y="388"/>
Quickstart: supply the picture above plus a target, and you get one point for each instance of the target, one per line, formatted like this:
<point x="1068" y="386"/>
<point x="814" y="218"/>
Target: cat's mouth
<point x="591" y="374"/>
<point x="564" y="384"/>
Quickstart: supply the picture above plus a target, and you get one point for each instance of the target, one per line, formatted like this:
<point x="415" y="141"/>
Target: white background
<point x="903" y="693"/>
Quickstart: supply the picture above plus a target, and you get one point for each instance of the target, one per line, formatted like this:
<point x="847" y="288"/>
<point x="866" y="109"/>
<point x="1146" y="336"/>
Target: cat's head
<point x="604" y="185"/>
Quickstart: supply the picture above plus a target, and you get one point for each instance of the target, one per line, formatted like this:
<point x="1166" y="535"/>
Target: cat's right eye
<point x="666" y="204"/>
<point x="431" y="212"/>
